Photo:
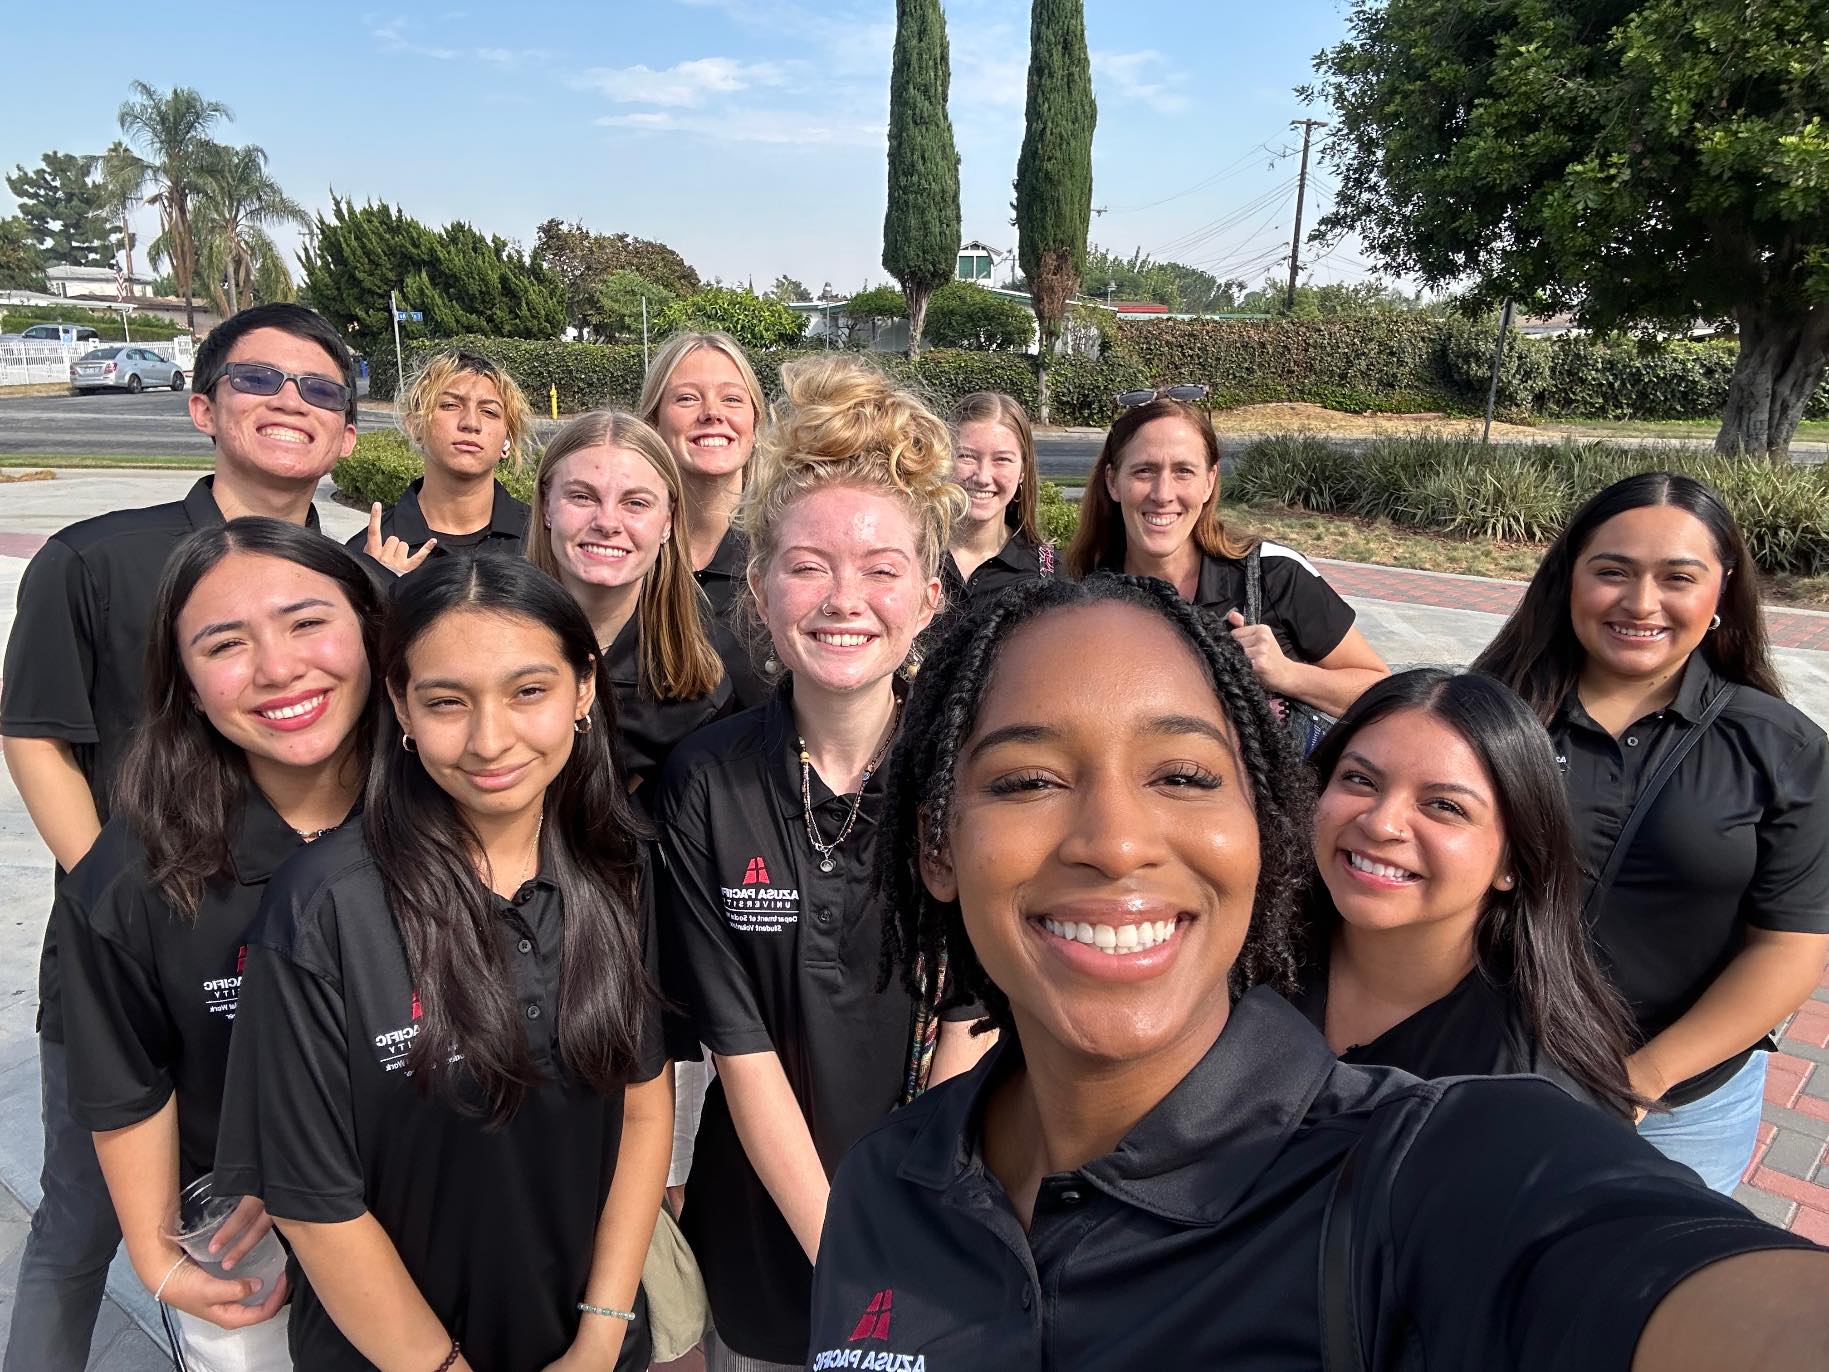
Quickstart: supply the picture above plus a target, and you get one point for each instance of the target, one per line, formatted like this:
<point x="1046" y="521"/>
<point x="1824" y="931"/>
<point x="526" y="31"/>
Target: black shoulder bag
<point x="1303" y="722"/>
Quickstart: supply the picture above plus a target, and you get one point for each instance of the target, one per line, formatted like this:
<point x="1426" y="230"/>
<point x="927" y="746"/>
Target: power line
<point x="1206" y="233"/>
<point x="1220" y="175"/>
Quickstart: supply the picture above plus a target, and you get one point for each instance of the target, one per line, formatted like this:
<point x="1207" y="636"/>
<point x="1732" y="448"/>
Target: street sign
<point x="410" y="316"/>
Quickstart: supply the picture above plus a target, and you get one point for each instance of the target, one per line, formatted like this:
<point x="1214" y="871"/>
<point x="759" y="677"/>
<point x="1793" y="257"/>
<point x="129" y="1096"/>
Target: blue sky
<point x="746" y="133"/>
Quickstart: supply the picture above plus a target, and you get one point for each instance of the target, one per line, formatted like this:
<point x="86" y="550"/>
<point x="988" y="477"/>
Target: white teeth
<point x="1160" y="521"/>
<point x="304" y="707"/>
<point x="1115" y="939"/>
<point x="1379" y="869"/>
<point x="844" y="640"/>
<point x="285" y="435"/>
<point x="711" y="441"/>
<point x="1624" y="632"/>
<point x="603" y="550"/>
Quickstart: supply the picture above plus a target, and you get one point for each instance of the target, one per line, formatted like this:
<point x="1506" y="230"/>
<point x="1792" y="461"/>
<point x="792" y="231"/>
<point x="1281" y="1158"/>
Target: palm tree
<point x="123" y="176"/>
<point x="237" y="201"/>
<point x="173" y="128"/>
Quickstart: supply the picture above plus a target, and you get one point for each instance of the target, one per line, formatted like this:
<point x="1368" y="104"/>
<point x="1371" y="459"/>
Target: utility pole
<point x="1498" y="360"/>
<point x="1308" y="127"/>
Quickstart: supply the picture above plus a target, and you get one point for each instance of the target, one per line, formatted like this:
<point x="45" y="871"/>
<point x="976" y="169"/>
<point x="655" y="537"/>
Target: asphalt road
<point x="157" y="424"/>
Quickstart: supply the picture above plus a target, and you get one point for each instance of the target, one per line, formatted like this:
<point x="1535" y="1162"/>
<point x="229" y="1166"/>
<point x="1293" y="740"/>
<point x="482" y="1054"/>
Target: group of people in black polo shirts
<point x="770" y="835"/>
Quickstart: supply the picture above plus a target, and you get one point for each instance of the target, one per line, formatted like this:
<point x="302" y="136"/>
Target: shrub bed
<point x="1528" y="491"/>
<point x="147" y="328"/>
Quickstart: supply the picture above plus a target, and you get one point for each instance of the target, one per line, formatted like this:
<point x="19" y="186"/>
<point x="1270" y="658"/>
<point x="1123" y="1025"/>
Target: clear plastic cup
<point x="200" y="1216"/>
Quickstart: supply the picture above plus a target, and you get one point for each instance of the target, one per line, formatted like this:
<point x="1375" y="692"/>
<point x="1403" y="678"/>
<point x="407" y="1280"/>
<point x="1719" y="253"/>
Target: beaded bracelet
<point x="605" y="1311"/>
<point x="450" y="1358"/>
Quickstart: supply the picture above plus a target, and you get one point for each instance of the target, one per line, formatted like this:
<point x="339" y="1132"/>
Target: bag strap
<point x="1665" y="770"/>
<point x="1340" y="1347"/>
<point x="1254" y="585"/>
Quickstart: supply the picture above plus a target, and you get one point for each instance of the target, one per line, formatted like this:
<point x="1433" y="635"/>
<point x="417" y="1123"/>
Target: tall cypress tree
<point x="921" y="224"/>
<point x="1054" y="171"/>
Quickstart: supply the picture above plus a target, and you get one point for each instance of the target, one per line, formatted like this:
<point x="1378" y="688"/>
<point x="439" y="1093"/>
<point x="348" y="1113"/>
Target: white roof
<point x="91" y="274"/>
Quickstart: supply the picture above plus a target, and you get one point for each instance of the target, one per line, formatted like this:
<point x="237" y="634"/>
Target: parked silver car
<point x="123" y="367"/>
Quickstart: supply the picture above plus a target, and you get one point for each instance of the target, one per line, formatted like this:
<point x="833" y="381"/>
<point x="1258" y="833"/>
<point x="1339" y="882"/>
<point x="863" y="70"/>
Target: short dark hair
<point x="1536" y="652"/>
<point x="922" y="933"/>
<point x="287" y="317"/>
<point x="1529" y="939"/>
<point x="181" y="782"/>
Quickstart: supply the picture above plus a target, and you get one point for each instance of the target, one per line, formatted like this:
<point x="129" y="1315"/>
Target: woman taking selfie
<point x="1444" y="936"/>
<point x="466" y="416"/>
<point x="609" y="499"/>
<point x="446" y="1081"/>
<point x="256" y="743"/>
<point x="1108" y="848"/>
<point x="769" y="823"/>
<point x="1697" y="791"/>
<point x="1151" y="508"/>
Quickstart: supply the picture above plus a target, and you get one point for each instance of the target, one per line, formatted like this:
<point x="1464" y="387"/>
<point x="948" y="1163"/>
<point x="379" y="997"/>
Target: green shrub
<point x="753" y="320"/>
<point x="963" y="315"/>
<point x="384" y="464"/>
<point x="1059" y="516"/>
<point x="146" y="328"/>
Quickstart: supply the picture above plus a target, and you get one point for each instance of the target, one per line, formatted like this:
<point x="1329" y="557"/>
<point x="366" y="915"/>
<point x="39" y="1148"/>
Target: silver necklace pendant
<point x="827" y="865"/>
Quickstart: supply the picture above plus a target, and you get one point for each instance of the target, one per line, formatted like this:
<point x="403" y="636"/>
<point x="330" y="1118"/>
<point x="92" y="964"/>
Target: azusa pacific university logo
<point x="756" y="874"/>
<point x="875" y="1323"/>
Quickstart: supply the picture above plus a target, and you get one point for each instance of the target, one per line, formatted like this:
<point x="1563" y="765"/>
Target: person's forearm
<point x="358" y="1276"/>
<point x="56" y="795"/>
<point x="1329" y="689"/>
<point x="140" y="1164"/>
<point x="777" y="1142"/>
<point x="1757" y="1312"/>
<point x="629" y="1212"/>
<point x="1766" y="981"/>
<point x="958" y="1049"/>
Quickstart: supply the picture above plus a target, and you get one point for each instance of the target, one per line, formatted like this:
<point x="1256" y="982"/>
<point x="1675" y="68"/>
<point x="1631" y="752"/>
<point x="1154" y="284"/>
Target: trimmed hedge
<point x="147" y="328"/>
<point x="1528" y="491"/>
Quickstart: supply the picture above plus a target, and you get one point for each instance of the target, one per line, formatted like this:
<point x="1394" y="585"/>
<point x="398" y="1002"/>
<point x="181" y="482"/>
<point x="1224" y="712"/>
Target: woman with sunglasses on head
<point x="769" y="823"/>
<point x="1698" y="794"/>
<point x="446" y="1081"/>
<point x="255" y="744"/>
<point x="1162" y="1164"/>
<point x="1151" y="508"/>
<point x="702" y="397"/>
<point x="466" y="416"/>
<point x="1444" y="936"/>
<point x="609" y="496"/>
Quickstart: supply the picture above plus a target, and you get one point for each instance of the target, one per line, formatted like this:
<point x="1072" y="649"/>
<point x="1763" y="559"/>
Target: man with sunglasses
<point x="274" y="388"/>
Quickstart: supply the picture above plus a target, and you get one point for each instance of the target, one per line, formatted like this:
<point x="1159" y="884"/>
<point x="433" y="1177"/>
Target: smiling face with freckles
<point x="844" y="593"/>
<point x="275" y="440"/>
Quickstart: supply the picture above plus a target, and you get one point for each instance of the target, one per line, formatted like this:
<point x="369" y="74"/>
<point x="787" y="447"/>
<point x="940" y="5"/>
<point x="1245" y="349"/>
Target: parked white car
<point x="123" y="367"/>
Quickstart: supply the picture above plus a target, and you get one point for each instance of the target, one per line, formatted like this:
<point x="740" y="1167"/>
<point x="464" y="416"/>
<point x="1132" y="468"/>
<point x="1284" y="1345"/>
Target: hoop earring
<point x="406" y="742"/>
<point x="581" y="725"/>
<point x="1715" y="622"/>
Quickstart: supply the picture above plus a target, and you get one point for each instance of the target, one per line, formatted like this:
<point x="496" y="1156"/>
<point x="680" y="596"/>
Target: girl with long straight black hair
<point x="256" y="739"/>
<point x="448" y="1085"/>
<point x="1444" y="935"/>
<point x="1700" y="797"/>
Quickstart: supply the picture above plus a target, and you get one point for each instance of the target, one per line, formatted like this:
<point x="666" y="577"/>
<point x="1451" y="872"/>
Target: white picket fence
<point x="29" y="362"/>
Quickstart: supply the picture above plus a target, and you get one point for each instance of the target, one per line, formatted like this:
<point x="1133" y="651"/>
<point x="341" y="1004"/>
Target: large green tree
<point x="964" y="315"/>
<point x="616" y="314"/>
<point x="238" y="201"/>
<point x="172" y="129"/>
<point x="463" y="281"/>
<point x="67" y="210"/>
<point x="921" y="223"/>
<point x="753" y="320"/>
<point x="1641" y="163"/>
<point x="21" y="264"/>
<point x="1054" y="170"/>
<point x="122" y="177"/>
<point x="582" y="261"/>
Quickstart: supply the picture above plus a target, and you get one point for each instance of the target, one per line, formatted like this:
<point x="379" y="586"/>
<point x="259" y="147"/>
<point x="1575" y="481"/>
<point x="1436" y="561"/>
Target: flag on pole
<point x="120" y="282"/>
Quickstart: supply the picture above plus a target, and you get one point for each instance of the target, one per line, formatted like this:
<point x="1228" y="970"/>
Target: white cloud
<point x="1143" y="77"/>
<point x="392" y="35"/>
<point x="683" y="85"/>
<point x="773" y="127"/>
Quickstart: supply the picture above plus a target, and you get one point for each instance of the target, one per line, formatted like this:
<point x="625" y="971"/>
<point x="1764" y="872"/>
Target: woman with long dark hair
<point x="768" y="822"/>
<point x="255" y="743"/>
<point x="1698" y="797"/>
<point x="447" y="1082"/>
<point x="1444" y="936"/>
<point x="1151" y="508"/>
<point x="1161" y="1164"/>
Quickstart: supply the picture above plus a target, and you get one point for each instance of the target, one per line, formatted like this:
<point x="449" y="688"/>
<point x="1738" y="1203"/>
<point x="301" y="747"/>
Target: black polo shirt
<point x="322" y="1120"/>
<point x="1738" y="838"/>
<point x="774" y="955"/>
<point x="1019" y="561"/>
<point x="152" y="995"/>
<point x="1478" y="1029"/>
<point x="725" y="582"/>
<point x="726" y="576"/>
<point x="76" y="660"/>
<point x="1499" y="1225"/>
<point x="1307" y="615"/>
<point x="504" y="533"/>
<point x="646" y="728"/>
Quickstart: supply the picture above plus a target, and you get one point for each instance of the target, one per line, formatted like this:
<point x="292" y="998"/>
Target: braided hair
<point x="942" y="709"/>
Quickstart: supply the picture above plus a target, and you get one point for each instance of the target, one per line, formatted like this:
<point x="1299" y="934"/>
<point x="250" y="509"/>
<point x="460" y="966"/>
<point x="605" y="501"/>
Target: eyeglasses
<point x="1188" y="392"/>
<point x="257" y="378"/>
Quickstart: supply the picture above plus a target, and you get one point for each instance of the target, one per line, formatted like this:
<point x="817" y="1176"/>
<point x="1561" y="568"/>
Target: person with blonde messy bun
<point x="769" y="823"/>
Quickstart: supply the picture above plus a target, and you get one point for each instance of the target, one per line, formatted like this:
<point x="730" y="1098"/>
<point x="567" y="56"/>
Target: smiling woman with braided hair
<point x="1161" y="1164"/>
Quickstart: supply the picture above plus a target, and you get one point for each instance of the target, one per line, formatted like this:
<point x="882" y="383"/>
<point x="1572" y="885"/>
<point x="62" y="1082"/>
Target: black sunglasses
<point x="1188" y="392"/>
<point x="257" y="378"/>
